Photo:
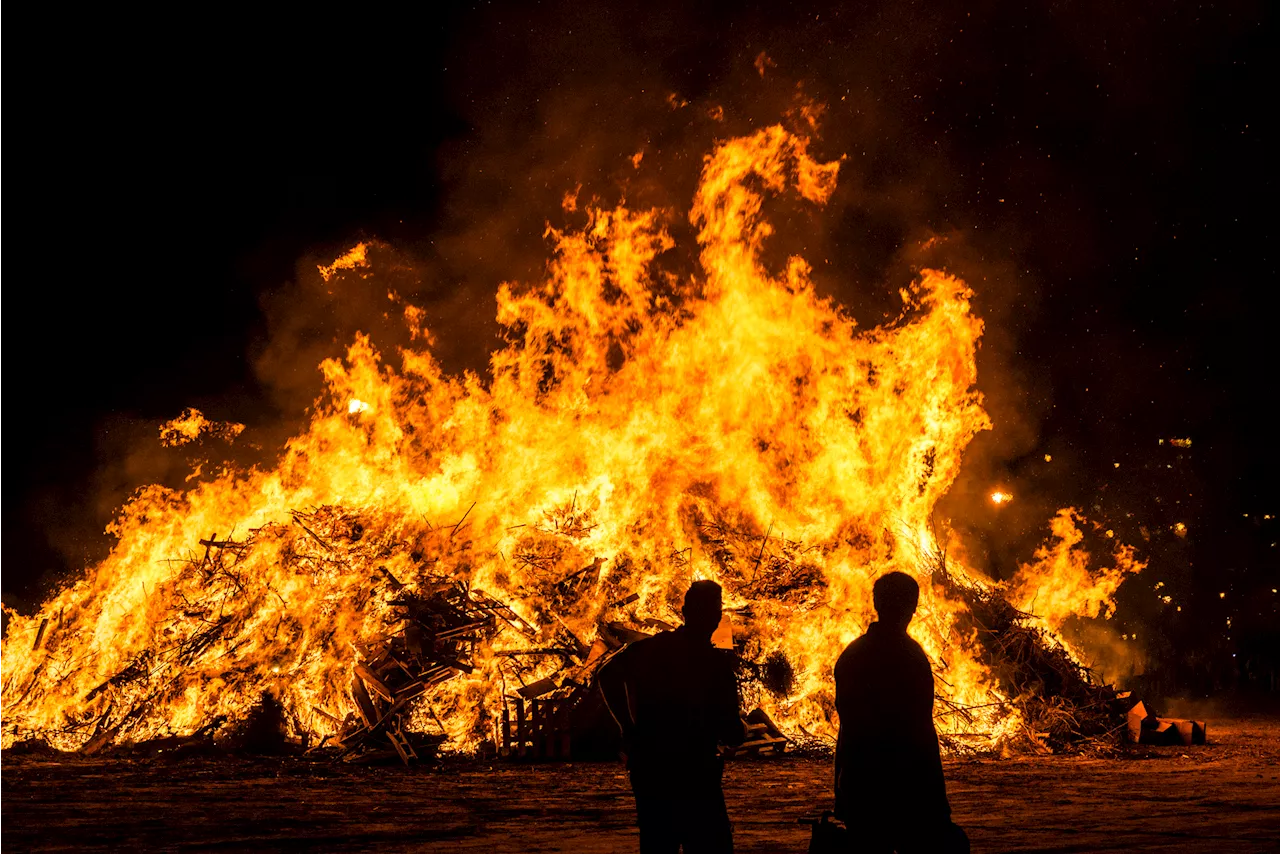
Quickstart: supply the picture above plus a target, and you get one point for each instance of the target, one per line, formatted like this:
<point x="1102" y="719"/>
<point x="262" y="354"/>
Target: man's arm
<point x="613" y="687"/>
<point x="919" y="689"/>
<point x="729" y="727"/>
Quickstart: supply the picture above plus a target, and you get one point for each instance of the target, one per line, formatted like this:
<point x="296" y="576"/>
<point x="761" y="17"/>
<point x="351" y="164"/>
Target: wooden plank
<point x="364" y="705"/>
<point x="324" y="714"/>
<point x="537" y="689"/>
<point x="375" y="684"/>
<point x="40" y="634"/>
<point x="437" y="674"/>
<point x="535" y="728"/>
<point x="413" y="689"/>
<point x="464" y="629"/>
<point x="506" y="724"/>
<point x="522" y="730"/>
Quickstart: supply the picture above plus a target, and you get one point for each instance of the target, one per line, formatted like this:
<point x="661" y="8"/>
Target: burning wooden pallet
<point x="545" y="729"/>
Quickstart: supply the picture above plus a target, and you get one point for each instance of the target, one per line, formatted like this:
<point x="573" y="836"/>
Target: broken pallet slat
<point x="375" y="684"/>
<point x="364" y="703"/>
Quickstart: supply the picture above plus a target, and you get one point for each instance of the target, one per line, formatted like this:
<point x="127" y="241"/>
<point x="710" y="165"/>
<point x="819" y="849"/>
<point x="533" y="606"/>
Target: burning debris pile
<point x="635" y="433"/>
<point x="434" y="638"/>
<point x="1061" y="704"/>
<point x="416" y="635"/>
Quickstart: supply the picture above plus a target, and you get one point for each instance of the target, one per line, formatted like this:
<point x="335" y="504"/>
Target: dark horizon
<point x="1102" y="178"/>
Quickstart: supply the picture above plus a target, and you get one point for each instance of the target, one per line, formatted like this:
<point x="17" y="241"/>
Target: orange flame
<point x="738" y="427"/>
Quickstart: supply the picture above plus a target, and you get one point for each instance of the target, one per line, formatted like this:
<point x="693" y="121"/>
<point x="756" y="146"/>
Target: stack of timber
<point x="434" y="640"/>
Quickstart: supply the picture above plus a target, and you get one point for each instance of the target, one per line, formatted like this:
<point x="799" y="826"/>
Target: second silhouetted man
<point x="890" y="792"/>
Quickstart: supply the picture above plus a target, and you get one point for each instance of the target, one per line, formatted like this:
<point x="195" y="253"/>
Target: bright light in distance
<point x="1001" y="497"/>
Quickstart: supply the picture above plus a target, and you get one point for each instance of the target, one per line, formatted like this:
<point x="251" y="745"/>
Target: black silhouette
<point x="675" y="698"/>
<point x="890" y="792"/>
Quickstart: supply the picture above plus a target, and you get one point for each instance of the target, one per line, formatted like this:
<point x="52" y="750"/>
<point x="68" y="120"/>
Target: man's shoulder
<point x="915" y="650"/>
<point x="646" y="647"/>
<point x="851" y="652"/>
<point x="880" y="645"/>
<point x="662" y="640"/>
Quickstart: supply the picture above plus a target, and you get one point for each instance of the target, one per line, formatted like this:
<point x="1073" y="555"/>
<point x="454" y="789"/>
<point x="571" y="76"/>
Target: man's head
<point x="702" y="609"/>
<point x="895" y="595"/>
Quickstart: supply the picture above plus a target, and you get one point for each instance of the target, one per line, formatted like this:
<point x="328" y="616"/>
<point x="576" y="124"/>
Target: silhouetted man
<point x="675" y="698"/>
<point x="889" y="787"/>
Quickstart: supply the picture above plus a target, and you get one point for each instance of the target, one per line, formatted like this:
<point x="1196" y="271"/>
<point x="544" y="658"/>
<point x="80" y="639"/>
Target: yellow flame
<point x="1059" y="584"/>
<point x="192" y="424"/>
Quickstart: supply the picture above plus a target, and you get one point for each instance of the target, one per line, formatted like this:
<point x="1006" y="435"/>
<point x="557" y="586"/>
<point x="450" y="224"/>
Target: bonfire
<point x="432" y="546"/>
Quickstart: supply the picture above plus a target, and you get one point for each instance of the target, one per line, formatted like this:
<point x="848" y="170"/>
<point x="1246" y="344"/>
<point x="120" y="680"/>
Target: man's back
<point x="683" y="698"/>
<point x="887" y="760"/>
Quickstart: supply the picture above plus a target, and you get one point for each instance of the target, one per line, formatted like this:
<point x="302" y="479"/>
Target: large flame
<point x="735" y="427"/>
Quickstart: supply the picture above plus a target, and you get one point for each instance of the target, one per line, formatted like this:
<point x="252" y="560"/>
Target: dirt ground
<point x="1221" y="798"/>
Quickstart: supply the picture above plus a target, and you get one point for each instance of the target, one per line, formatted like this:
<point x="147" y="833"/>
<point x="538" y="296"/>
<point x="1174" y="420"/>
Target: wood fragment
<point x="40" y="634"/>
<point x="460" y="521"/>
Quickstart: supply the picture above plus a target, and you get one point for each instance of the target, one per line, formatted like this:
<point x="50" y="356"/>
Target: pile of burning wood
<point x="561" y="716"/>
<point x="432" y="627"/>
<point x="1063" y="706"/>
<point x="226" y="619"/>
<point x="434" y="641"/>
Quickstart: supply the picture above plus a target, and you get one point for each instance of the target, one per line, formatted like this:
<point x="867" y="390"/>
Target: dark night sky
<point x="1100" y="170"/>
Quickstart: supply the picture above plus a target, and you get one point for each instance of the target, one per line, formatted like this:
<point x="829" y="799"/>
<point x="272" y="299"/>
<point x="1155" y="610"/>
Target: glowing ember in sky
<point x="357" y="256"/>
<point x="1000" y="497"/>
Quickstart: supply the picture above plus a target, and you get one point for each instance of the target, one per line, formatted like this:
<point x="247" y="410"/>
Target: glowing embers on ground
<point x="736" y="426"/>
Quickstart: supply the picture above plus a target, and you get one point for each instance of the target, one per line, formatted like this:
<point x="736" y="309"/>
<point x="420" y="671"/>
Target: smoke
<point x="1103" y="649"/>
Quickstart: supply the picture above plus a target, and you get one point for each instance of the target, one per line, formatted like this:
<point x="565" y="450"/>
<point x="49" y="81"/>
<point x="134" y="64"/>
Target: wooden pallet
<point x="537" y="728"/>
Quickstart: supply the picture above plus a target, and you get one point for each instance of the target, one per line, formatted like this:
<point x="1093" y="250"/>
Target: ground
<point x="1222" y="798"/>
